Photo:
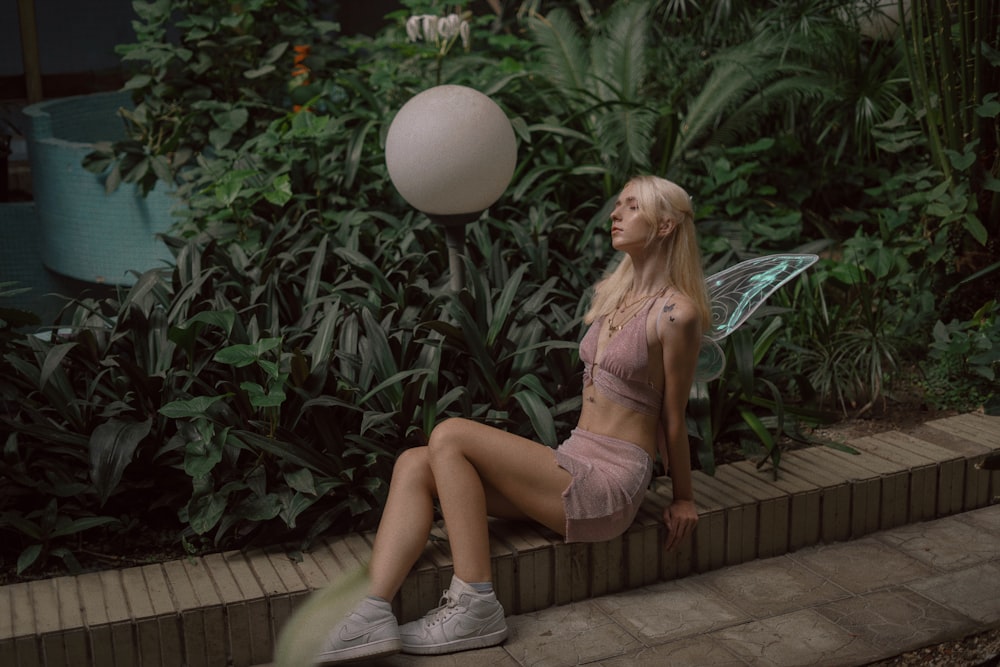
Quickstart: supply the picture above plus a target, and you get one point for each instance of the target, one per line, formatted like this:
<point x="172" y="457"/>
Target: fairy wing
<point x="711" y="361"/>
<point x="734" y="294"/>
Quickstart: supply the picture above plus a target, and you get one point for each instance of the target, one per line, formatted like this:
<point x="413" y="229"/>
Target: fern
<point x="746" y="80"/>
<point x="564" y="62"/>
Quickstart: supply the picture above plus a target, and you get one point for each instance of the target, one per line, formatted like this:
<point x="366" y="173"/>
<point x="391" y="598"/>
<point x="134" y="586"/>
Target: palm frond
<point x="740" y="73"/>
<point x="619" y="58"/>
<point x="746" y="117"/>
<point x="624" y="132"/>
<point x="564" y="56"/>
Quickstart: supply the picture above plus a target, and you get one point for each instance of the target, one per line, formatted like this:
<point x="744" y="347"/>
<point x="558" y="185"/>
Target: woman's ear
<point x="666" y="228"/>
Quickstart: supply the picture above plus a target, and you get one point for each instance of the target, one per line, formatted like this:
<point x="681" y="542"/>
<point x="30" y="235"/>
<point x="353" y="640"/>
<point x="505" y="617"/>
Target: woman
<point x="639" y="356"/>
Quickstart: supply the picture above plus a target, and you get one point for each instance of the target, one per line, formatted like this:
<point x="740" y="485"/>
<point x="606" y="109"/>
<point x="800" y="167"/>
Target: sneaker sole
<point x="467" y="644"/>
<point x="375" y="649"/>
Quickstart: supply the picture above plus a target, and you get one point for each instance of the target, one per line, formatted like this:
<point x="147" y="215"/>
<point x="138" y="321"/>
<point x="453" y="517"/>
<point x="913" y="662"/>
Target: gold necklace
<point x="615" y="328"/>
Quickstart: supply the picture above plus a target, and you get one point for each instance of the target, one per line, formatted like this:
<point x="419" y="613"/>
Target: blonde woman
<point x="646" y="321"/>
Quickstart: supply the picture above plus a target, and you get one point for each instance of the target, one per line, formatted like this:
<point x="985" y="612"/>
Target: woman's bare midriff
<point x="605" y="417"/>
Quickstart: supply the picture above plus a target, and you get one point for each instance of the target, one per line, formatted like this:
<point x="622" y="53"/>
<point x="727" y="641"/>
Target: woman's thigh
<point x="521" y="477"/>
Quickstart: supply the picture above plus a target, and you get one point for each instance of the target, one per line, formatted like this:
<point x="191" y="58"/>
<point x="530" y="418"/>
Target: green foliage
<point x="953" y="57"/>
<point x="207" y="76"/>
<point x="964" y="361"/>
<point x="42" y="529"/>
<point x="747" y="406"/>
<point x="848" y="335"/>
<point x="260" y="389"/>
<point x="12" y="321"/>
<point x="266" y="393"/>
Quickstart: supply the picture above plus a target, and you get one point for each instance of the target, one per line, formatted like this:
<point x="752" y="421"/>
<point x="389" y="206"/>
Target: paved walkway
<point x="847" y="603"/>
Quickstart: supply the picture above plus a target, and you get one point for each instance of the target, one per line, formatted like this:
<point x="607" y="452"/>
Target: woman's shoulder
<point x="678" y="314"/>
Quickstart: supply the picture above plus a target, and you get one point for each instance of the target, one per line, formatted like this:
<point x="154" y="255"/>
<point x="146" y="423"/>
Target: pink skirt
<point x="610" y="478"/>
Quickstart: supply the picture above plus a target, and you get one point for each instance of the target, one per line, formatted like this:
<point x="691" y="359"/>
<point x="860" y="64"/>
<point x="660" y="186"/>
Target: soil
<point x="903" y="417"/>
<point x="978" y="650"/>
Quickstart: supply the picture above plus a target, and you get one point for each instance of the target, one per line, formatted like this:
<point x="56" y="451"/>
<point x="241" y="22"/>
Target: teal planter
<point x="86" y="233"/>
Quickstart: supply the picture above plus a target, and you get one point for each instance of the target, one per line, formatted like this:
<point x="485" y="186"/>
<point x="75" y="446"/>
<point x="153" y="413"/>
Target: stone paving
<point x="848" y="603"/>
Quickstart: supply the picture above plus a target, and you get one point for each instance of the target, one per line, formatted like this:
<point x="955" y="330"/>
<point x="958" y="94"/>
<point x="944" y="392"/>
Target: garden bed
<point x="149" y="543"/>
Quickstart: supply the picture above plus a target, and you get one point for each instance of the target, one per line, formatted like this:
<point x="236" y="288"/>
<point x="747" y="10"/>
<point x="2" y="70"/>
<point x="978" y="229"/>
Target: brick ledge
<point x="228" y="608"/>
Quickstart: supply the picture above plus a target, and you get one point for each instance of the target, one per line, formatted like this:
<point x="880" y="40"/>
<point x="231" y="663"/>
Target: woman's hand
<point x="680" y="516"/>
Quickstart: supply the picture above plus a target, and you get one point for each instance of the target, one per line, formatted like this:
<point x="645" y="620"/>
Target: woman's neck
<point x="649" y="275"/>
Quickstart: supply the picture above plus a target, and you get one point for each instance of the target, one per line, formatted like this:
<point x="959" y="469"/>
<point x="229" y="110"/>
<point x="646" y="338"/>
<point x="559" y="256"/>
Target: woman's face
<point x="629" y="227"/>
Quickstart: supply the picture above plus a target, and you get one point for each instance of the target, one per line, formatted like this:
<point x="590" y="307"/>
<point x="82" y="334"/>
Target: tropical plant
<point x="748" y="407"/>
<point x="952" y="54"/>
<point x="593" y="97"/>
<point x="260" y="387"/>
<point x="860" y="80"/>
<point x="267" y="391"/>
<point x="207" y="76"/>
<point x="13" y="320"/>
<point x="964" y="362"/>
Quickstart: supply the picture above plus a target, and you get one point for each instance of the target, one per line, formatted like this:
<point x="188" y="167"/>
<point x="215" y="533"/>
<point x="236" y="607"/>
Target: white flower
<point x="429" y="24"/>
<point x="466" y="36"/>
<point x="448" y="26"/>
<point x="442" y="31"/>
<point x="413" y="28"/>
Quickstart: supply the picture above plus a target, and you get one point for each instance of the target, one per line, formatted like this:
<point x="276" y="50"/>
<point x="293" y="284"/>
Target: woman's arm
<point x="680" y="339"/>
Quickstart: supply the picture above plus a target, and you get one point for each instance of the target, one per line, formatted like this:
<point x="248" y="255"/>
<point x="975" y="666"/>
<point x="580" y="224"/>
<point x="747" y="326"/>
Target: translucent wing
<point x="711" y="361"/>
<point x="734" y="294"/>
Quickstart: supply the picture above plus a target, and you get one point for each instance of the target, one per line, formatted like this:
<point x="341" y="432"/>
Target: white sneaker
<point x="465" y="620"/>
<point x="369" y="631"/>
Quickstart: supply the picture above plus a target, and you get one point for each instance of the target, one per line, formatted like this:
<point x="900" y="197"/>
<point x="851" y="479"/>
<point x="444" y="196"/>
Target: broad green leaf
<point x="194" y="407"/>
<point x="270" y="368"/>
<point x="973" y="225"/>
<point x="26" y="527"/>
<point x="28" y="557"/>
<point x="245" y="354"/>
<point x="961" y="161"/>
<point x="301" y="480"/>
<point x="258" y="72"/>
<point x="230" y="119"/>
<point x="203" y="454"/>
<point x="259" y="398"/>
<point x="228" y="188"/>
<point x="538" y="413"/>
<point x="205" y="511"/>
<point x="280" y="192"/>
<point x="757" y="426"/>
<point x="53" y="361"/>
<point x="294" y="504"/>
<point x="66" y="526"/>
<point x="112" y="447"/>
<point x="259" y="508"/>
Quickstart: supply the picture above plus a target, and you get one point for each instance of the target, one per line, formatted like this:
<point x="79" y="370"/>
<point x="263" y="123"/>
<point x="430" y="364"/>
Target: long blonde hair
<point x="659" y="201"/>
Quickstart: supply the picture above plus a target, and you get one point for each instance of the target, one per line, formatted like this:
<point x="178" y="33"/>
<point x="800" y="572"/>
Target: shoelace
<point x="447" y="608"/>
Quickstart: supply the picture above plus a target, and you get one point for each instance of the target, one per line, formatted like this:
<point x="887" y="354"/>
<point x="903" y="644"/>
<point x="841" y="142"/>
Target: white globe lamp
<point x="450" y="152"/>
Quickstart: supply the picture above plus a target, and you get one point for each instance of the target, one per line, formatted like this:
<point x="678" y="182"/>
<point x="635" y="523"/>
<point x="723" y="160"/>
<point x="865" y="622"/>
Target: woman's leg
<point x="481" y="471"/>
<point x="405" y="524"/>
<point x="487" y="472"/>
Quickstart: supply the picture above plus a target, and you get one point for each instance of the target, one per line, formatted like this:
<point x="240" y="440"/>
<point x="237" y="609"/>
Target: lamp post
<point x="450" y="152"/>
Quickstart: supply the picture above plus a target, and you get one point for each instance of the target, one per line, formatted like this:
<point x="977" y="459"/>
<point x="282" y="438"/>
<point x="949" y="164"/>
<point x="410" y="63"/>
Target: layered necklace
<point x="624" y="307"/>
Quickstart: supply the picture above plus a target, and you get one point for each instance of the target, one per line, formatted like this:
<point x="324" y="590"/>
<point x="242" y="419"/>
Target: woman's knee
<point x="413" y="465"/>
<point x="447" y="436"/>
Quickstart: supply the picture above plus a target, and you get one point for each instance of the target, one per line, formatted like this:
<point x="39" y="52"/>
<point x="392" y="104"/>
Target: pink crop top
<point x="623" y="374"/>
